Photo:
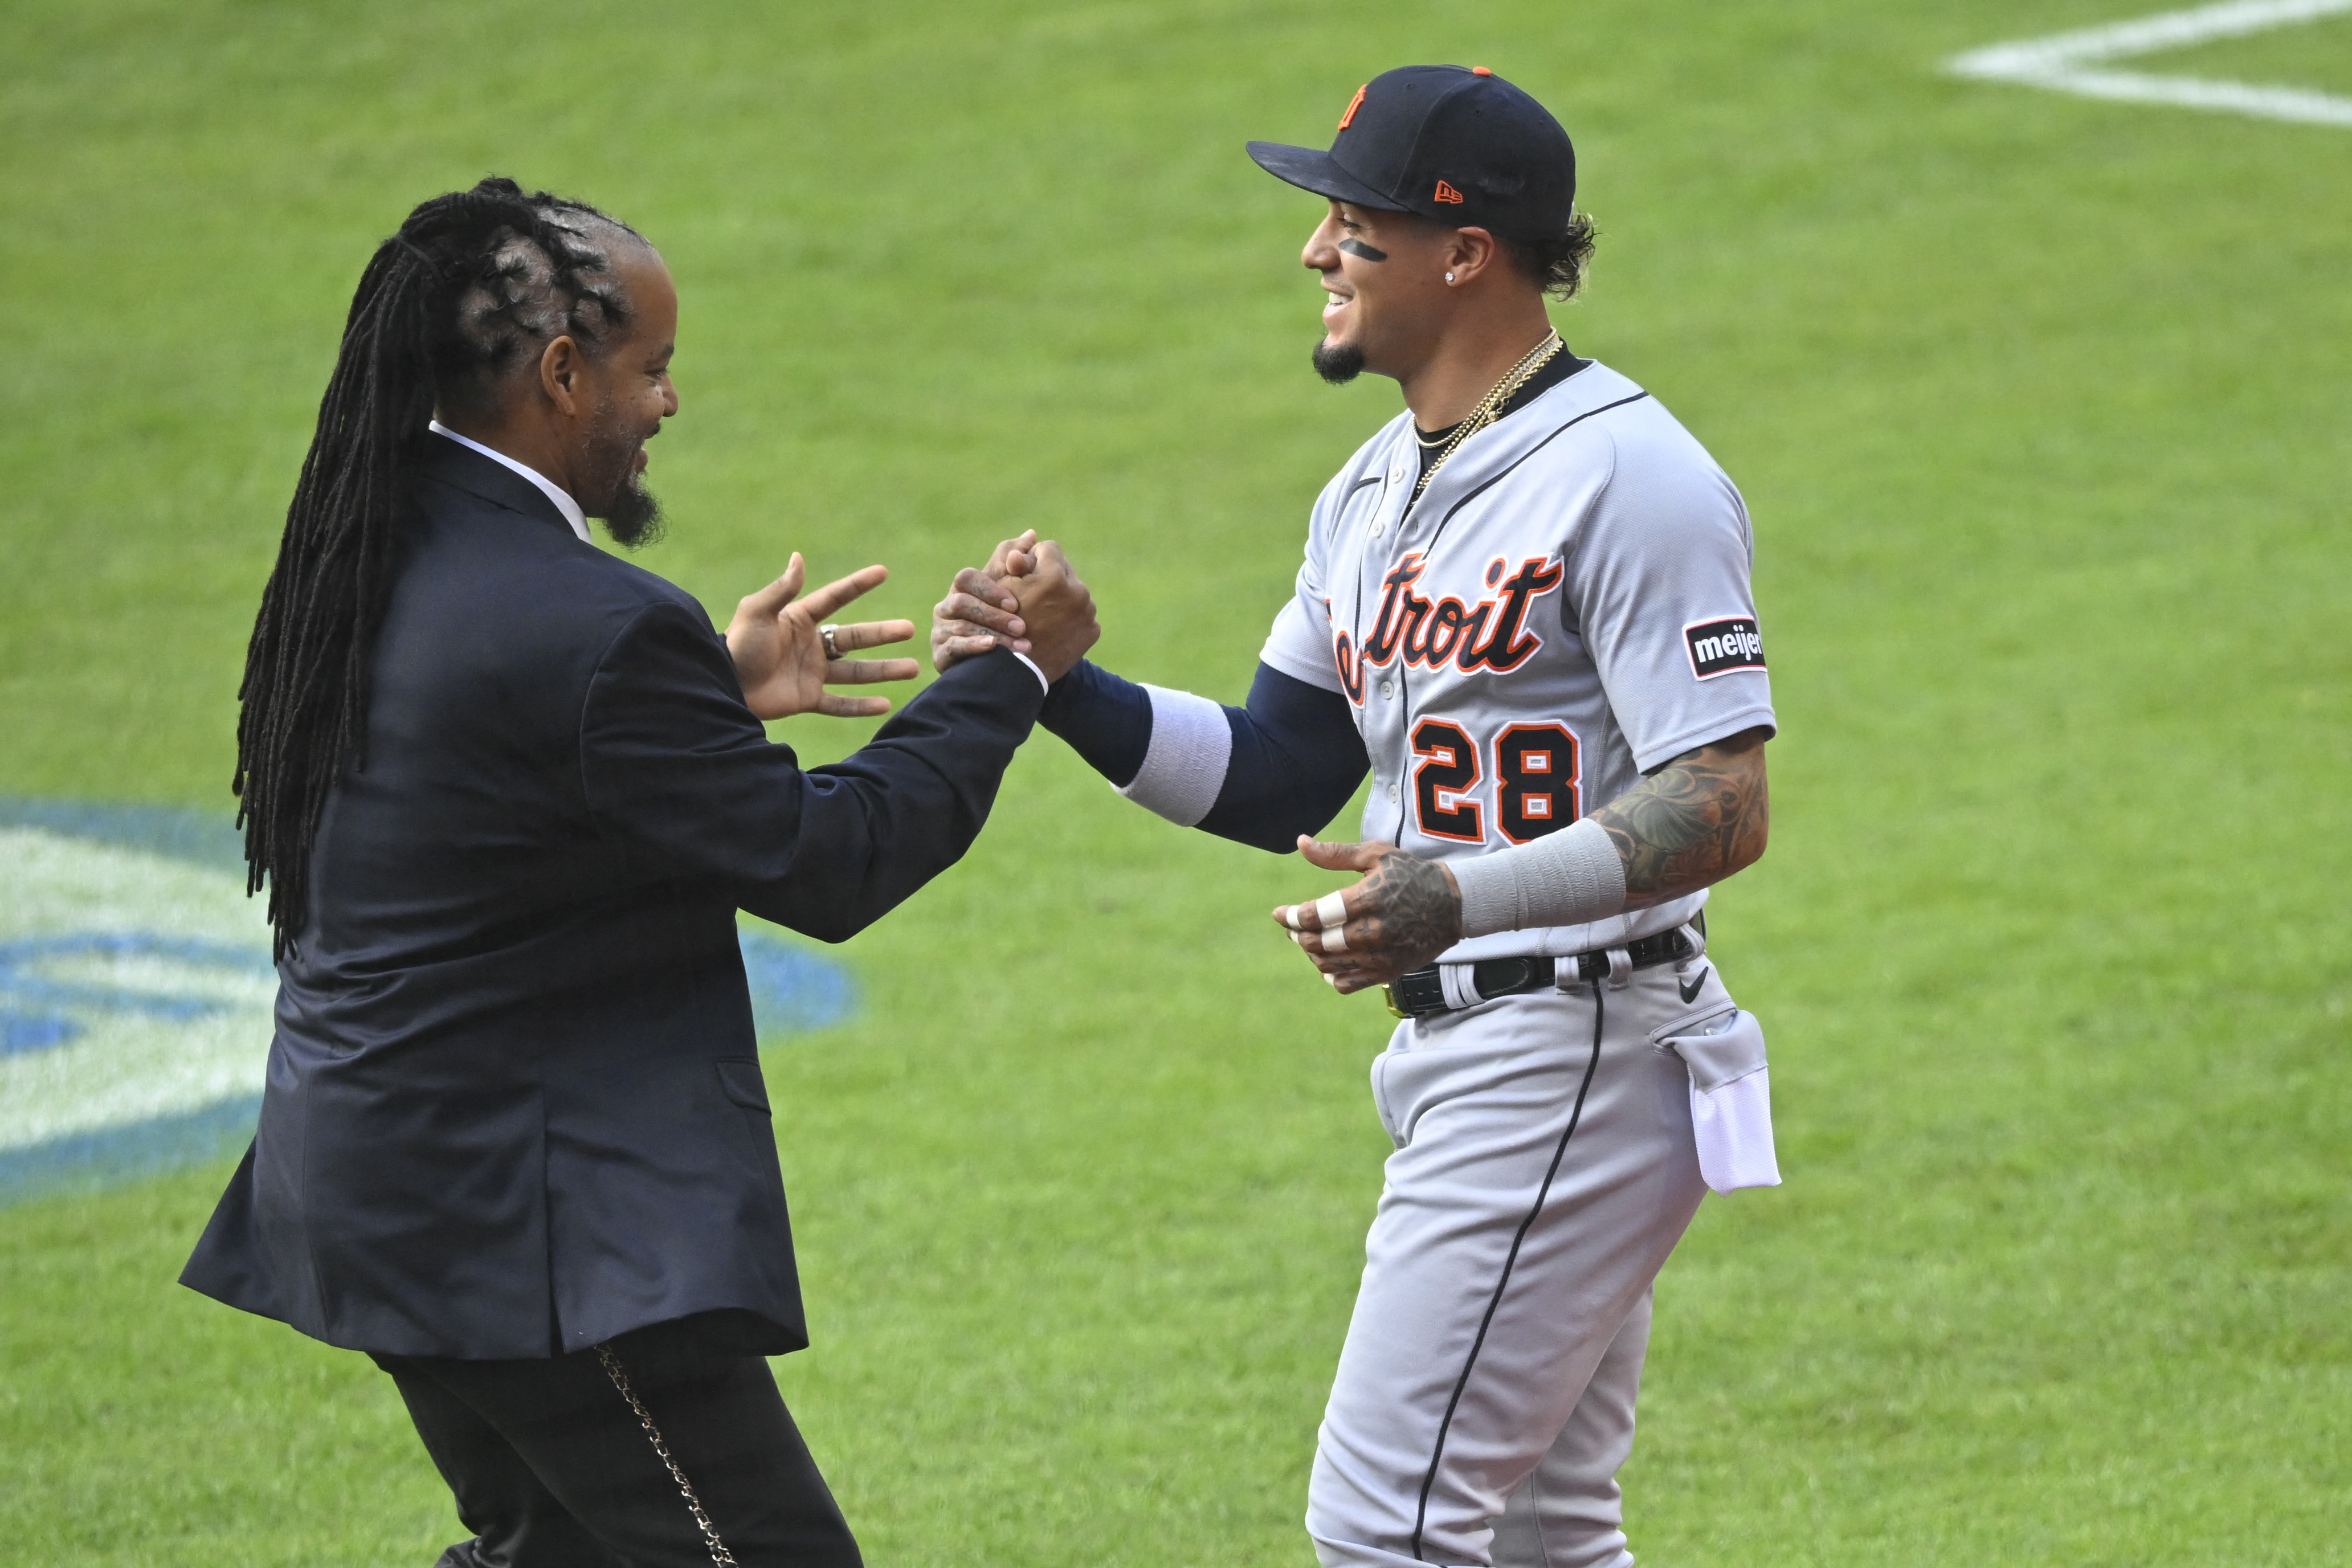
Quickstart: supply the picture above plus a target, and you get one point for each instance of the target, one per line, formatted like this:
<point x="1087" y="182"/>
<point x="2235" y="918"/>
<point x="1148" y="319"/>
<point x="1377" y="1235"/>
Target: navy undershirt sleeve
<point x="1296" y="756"/>
<point x="1106" y="720"/>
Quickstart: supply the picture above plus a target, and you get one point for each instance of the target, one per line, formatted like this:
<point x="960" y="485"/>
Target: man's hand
<point x="1027" y="599"/>
<point x="1056" y="608"/>
<point x="981" y="611"/>
<point x="777" y="643"/>
<point x="1403" y="913"/>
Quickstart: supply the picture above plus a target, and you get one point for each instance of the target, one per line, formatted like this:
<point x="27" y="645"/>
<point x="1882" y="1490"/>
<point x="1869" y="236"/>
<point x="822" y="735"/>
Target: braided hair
<point x="445" y="309"/>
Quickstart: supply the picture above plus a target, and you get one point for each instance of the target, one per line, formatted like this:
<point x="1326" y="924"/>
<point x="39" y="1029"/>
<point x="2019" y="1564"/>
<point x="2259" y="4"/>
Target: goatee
<point x="634" y="517"/>
<point x="1338" y="364"/>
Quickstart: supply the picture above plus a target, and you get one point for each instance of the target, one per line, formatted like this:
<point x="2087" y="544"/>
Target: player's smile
<point x="1340" y="253"/>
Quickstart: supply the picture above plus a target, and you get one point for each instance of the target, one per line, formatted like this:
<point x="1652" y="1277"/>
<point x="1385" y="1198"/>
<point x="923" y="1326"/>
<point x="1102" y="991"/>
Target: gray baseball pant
<point x="1544" y="1169"/>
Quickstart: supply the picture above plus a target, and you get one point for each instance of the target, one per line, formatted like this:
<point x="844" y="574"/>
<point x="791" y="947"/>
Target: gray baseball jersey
<point x="1567" y="608"/>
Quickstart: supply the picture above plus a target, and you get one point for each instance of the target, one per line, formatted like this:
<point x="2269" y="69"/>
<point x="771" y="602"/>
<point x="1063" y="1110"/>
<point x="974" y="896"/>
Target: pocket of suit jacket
<point x="739" y="1079"/>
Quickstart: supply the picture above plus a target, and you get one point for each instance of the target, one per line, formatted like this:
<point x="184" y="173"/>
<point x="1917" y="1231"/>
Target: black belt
<point x="1422" y="993"/>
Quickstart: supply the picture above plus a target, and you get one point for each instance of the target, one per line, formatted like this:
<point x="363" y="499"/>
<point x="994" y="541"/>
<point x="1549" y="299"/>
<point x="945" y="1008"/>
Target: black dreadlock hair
<point x="444" y="311"/>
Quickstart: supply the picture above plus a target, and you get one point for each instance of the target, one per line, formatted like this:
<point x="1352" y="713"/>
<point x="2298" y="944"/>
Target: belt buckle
<point x="1388" y="994"/>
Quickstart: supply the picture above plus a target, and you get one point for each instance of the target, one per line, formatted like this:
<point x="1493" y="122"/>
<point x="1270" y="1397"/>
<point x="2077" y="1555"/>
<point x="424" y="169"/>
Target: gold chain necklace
<point x="1490" y="408"/>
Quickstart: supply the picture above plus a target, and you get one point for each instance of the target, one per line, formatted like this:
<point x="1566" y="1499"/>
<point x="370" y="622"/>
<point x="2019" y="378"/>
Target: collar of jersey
<point x="1512" y="438"/>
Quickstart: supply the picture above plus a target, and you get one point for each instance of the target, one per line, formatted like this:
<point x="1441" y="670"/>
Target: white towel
<point x="1731" y="1101"/>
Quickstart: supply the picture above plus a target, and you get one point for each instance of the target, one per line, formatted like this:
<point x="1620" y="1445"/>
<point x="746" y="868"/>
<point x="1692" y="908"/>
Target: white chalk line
<point x="2068" y="62"/>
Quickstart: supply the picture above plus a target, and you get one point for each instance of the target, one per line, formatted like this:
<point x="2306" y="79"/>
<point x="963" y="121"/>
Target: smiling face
<point x="628" y="390"/>
<point x="1383" y="276"/>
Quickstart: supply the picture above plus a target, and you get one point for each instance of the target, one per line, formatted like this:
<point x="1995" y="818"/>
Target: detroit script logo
<point x="1491" y="634"/>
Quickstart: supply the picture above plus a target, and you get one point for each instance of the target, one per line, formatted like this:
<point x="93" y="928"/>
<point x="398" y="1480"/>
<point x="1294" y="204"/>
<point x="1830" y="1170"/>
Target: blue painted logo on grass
<point x="135" y="992"/>
<point x="37" y="1007"/>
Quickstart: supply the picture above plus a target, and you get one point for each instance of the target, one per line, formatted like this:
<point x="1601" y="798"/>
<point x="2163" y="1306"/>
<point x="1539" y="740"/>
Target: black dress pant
<point x="553" y="1468"/>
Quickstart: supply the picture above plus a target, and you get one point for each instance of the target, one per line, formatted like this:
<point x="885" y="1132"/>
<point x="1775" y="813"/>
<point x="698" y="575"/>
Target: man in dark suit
<point x="508" y="792"/>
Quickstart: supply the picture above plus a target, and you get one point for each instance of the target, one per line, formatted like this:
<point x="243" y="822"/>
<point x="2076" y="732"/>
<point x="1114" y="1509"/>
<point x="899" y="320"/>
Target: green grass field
<point x="2039" y="405"/>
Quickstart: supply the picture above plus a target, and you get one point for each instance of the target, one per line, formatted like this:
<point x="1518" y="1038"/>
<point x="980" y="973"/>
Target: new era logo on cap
<point x="1447" y="193"/>
<point x="1718" y="647"/>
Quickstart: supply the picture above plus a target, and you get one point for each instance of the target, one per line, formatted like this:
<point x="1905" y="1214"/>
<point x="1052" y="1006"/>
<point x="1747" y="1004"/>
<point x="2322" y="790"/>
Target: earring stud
<point x="1449" y="278"/>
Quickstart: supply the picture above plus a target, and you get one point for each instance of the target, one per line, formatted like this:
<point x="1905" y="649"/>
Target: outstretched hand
<point x="1404" y="912"/>
<point x="777" y="642"/>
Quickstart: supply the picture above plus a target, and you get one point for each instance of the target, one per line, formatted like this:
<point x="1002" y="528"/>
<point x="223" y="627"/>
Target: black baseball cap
<point x="1458" y="145"/>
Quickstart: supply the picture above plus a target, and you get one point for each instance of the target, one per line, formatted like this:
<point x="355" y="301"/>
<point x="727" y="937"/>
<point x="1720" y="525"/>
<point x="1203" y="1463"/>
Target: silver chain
<point x="719" y="1552"/>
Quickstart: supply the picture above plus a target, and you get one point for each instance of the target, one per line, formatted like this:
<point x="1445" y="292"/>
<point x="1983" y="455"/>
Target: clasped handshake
<point x="1027" y="599"/>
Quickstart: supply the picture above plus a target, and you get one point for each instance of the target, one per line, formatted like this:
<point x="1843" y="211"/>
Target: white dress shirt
<point x="553" y="491"/>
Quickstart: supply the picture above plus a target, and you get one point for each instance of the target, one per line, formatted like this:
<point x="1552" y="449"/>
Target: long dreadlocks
<point x="445" y="308"/>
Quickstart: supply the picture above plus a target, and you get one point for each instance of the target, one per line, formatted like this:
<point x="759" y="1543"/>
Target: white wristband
<point x="1564" y="879"/>
<point x="1184" y="766"/>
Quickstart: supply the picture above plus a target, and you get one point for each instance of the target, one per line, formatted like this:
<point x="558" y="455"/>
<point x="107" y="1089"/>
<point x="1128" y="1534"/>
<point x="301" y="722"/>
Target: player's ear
<point x="1471" y="252"/>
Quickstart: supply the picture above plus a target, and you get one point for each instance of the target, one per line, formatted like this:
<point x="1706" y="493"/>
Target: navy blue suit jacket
<point x="514" y="1106"/>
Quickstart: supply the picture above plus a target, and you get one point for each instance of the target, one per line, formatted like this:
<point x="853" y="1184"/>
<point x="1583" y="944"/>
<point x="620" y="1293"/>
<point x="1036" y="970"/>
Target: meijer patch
<point x="1718" y="647"/>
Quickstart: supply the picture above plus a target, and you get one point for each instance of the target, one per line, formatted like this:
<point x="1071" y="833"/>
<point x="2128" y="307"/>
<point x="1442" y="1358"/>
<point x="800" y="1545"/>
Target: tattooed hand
<point x="1696" y="821"/>
<point x="1403" y="913"/>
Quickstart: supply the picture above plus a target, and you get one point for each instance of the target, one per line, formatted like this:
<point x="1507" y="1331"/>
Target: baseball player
<point x="1524" y="608"/>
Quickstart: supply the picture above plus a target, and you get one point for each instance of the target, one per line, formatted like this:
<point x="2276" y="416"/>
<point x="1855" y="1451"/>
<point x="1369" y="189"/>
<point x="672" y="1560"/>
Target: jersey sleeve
<point x="1299" y="645"/>
<point x="1659" y="591"/>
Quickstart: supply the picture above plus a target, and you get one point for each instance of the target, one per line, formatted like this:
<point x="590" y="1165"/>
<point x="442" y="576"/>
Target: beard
<point x="633" y="517"/>
<point x="630" y="513"/>
<point x="1338" y="364"/>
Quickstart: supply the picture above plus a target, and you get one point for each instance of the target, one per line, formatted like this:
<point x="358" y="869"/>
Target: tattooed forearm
<point x="1417" y="909"/>
<point x="1697" y="820"/>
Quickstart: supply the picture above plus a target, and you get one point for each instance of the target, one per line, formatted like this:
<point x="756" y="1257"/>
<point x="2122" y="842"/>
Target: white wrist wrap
<point x="1563" y="879"/>
<point x="1185" y="766"/>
